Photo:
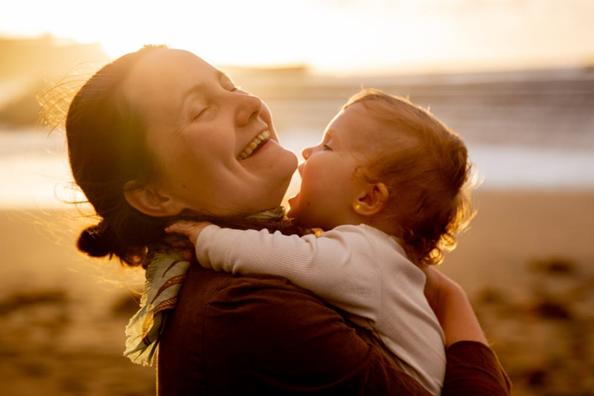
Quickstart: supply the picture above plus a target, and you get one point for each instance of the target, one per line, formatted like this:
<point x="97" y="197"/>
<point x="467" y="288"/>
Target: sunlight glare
<point x="333" y="35"/>
<point x="228" y="38"/>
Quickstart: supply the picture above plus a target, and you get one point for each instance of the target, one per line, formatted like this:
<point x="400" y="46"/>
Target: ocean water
<point x="34" y="171"/>
<point x="500" y="166"/>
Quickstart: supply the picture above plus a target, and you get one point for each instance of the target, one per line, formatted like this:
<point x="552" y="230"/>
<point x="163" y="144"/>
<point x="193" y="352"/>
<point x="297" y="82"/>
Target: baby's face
<point x="330" y="175"/>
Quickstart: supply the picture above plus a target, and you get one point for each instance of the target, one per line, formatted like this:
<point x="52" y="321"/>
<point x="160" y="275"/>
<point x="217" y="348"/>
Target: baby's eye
<point x="326" y="147"/>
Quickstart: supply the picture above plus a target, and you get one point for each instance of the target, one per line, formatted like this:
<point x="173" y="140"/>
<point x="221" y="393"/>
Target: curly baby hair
<point x="426" y="168"/>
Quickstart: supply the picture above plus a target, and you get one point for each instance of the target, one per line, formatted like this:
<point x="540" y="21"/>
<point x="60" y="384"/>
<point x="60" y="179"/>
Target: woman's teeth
<point x="254" y="144"/>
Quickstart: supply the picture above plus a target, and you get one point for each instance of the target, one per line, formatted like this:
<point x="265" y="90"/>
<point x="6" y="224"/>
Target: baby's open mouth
<point x="254" y="145"/>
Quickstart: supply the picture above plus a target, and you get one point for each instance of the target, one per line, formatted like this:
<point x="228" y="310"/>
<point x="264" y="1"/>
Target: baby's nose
<point x="306" y="152"/>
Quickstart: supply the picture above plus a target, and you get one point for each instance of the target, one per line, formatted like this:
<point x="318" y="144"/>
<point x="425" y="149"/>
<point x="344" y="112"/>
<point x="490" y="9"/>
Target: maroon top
<point x="262" y="335"/>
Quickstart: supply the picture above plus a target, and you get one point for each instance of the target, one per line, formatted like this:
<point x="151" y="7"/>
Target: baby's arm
<point x="333" y="266"/>
<point x="191" y="229"/>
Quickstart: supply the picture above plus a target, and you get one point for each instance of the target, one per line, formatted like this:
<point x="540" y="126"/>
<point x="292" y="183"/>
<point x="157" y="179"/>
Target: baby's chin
<point x="298" y="215"/>
<point x="300" y="220"/>
<point x="294" y="215"/>
<point x="293" y="206"/>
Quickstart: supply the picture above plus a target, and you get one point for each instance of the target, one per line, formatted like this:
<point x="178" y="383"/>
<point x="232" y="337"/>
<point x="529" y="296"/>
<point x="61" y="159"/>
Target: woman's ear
<point x="371" y="200"/>
<point x="150" y="200"/>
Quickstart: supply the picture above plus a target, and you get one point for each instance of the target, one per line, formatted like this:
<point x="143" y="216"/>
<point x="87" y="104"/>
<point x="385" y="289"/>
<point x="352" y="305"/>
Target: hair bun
<point x="96" y="240"/>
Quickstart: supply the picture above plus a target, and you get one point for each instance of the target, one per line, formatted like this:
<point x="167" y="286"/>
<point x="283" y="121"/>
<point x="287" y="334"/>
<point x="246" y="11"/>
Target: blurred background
<point x="514" y="77"/>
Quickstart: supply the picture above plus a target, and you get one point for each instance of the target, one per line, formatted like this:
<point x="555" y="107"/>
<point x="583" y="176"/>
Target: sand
<point x="513" y="228"/>
<point x="527" y="262"/>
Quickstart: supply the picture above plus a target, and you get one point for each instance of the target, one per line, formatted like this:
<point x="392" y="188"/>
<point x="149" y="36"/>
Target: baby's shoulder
<point x="363" y="236"/>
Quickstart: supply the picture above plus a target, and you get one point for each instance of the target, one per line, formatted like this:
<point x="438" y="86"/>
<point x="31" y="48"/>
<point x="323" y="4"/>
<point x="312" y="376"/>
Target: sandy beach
<point x="527" y="262"/>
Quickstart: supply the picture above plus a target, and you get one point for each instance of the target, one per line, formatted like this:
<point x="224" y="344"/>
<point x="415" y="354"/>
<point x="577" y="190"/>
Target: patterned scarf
<point x="164" y="277"/>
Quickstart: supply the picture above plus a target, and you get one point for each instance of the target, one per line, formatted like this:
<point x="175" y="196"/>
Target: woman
<point x="160" y="134"/>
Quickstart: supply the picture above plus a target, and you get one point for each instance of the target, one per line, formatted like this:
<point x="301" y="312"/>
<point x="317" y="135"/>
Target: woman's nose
<point x="248" y="108"/>
<point x="306" y="152"/>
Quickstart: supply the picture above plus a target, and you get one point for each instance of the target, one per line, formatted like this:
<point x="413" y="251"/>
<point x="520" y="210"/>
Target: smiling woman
<point x="148" y="158"/>
<point x="204" y="135"/>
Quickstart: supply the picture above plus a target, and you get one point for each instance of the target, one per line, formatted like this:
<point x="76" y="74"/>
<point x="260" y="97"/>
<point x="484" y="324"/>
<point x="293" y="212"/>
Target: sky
<point x="331" y="35"/>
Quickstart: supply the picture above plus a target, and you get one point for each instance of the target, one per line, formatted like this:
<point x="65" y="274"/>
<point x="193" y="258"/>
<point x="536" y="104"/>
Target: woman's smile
<point x="254" y="145"/>
<point x="264" y="155"/>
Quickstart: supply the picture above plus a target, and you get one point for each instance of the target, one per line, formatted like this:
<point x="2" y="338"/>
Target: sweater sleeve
<point x="336" y="266"/>
<point x="473" y="369"/>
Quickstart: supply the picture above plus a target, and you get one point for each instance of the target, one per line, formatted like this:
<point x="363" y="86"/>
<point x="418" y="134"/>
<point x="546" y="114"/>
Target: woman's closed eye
<point x="199" y="113"/>
<point x="326" y="147"/>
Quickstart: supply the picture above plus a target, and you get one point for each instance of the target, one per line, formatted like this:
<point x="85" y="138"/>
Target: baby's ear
<point x="371" y="200"/>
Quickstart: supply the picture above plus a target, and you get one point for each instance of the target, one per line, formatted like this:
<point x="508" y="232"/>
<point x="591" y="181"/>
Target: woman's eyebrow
<point x="195" y="89"/>
<point x="198" y="88"/>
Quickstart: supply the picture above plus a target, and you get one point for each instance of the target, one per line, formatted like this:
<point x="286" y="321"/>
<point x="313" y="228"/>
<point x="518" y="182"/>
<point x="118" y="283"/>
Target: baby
<point x="387" y="182"/>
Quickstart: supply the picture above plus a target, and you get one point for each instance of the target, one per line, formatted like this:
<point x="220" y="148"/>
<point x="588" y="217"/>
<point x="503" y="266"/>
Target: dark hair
<point x="426" y="168"/>
<point x="107" y="149"/>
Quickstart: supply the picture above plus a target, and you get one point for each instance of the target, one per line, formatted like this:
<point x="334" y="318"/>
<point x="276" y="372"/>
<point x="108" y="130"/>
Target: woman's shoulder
<point x="260" y="324"/>
<point x="219" y="296"/>
<point x="214" y="287"/>
<point x="223" y="302"/>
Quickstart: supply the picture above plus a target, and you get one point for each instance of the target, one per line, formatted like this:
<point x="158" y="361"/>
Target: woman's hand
<point x="191" y="229"/>
<point x="452" y="308"/>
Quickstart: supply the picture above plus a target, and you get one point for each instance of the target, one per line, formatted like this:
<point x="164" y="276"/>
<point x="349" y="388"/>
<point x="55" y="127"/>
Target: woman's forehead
<point x="160" y="78"/>
<point x="168" y="63"/>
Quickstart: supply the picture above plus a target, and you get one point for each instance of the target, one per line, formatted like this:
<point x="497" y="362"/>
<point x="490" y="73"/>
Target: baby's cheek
<point x="310" y="174"/>
<point x="309" y="188"/>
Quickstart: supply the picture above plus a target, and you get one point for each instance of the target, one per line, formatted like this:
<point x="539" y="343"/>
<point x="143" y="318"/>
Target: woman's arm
<point x="452" y="308"/>
<point x="472" y="367"/>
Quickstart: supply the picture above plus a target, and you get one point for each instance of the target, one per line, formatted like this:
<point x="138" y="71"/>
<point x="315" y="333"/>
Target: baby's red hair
<point x="426" y="168"/>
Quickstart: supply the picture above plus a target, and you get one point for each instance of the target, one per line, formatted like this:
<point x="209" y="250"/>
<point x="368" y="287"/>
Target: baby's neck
<point x="388" y="229"/>
<point x="381" y="224"/>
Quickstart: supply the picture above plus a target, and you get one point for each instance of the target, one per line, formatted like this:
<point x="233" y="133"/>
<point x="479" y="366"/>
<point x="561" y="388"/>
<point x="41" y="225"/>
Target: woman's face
<point x="217" y="149"/>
